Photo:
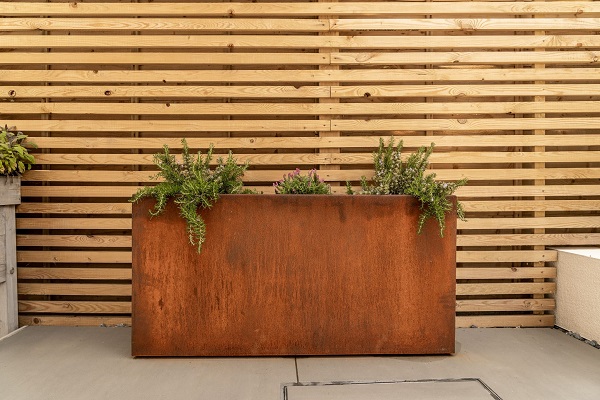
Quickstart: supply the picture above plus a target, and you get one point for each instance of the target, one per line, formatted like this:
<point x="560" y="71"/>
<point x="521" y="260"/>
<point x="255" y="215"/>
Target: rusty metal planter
<point x="294" y="275"/>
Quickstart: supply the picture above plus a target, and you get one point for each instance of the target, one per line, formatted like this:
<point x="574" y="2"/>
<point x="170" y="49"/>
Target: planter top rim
<point x="323" y="195"/>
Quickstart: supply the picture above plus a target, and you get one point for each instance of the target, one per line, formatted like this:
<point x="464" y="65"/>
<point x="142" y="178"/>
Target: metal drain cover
<point x="430" y="389"/>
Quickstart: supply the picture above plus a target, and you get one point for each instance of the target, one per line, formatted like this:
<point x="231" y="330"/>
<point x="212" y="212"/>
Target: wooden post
<point x="10" y="196"/>
<point x="539" y="182"/>
<point x="329" y="166"/>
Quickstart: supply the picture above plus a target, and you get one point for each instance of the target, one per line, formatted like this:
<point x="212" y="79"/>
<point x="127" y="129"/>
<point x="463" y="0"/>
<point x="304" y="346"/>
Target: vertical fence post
<point x="329" y="116"/>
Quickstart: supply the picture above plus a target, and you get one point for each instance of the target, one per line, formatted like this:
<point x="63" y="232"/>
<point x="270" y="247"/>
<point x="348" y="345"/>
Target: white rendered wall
<point x="578" y="291"/>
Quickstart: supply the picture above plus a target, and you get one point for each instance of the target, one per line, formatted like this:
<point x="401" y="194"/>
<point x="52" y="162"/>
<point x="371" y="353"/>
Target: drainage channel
<point x="423" y="389"/>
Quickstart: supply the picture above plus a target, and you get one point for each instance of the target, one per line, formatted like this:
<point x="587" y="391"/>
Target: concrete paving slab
<point x="422" y="390"/>
<point x="527" y="364"/>
<point x="88" y="363"/>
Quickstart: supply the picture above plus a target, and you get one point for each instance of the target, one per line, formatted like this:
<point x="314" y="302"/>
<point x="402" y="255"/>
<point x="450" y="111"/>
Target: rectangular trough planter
<point x="294" y="275"/>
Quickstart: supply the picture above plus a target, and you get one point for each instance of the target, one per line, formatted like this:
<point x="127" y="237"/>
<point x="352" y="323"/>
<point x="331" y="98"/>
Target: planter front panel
<point x="294" y="275"/>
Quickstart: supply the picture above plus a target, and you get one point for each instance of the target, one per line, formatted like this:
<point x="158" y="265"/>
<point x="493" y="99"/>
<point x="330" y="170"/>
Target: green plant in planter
<point x="14" y="157"/>
<point x="393" y="176"/>
<point x="192" y="184"/>
<point x="294" y="183"/>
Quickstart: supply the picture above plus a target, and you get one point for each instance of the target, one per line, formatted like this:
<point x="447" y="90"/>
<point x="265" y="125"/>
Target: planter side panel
<point x="294" y="275"/>
<point x="10" y="190"/>
<point x="10" y="195"/>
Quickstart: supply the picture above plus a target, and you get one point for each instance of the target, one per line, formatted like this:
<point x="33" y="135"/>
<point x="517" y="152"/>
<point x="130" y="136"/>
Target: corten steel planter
<point x="294" y="275"/>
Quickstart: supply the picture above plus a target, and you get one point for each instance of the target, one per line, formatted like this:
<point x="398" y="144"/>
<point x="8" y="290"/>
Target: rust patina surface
<point x="294" y="275"/>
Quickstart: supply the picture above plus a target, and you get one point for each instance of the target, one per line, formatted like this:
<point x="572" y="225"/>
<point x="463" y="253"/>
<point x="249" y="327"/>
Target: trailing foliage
<point x="393" y="176"/>
<point x="294" y="183"/>
<point x="14" y="157"/>
<point x="192" y="184"/>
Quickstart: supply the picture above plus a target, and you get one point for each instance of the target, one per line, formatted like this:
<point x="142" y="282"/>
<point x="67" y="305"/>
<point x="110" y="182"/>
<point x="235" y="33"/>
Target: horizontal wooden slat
<point x="74" y="208"/>
<point x="49" y="320"/>
<point x="104" y="257"/>
<point x="296" y="25"/>
<point x="531" y="205"/>
<point x="465" y="191"/>
<point x="498" y="321"/>
<point x="255" y="142"/>
<point x="75" y="289"/>
<point x="532" y="222"/>
<point x="459" y="125"/>
<point x="548" y="239"/>
<point x="298" y="41"/>
<point x="299" y="160"/>
<point x="482" y="321"/>
<point x="505" y="305"/>
<point x="173" y="58"/>
<point x="174" y="126"/>
<point x="463" y="24"/>
<point x="504" y="288"/>
<point x="463" y="91"/>
<point x="554" y="239"/>
<point x="74" y="223"/>
<point x="74" y="307"/>
<point x="203" y="92"/>
<point x="108" y="289"/>
<point x="75" y="273"/>
<point x="346" y="58"/>
<point x="79" y="241"/>
<point x="298" y="75"/>
<point x="79" y="191"/>
<point x="506" y="256"/>
<point x="125" y="256"/>
<point x="355" y="158"/>
<point x="505" y="273"/>
<point x="465" y="57"/>
<point x="87" y="76"/>
<point x="517" y="191"/>
<point x="311" y="109"/>
<point x="579" y="8"/>
<point x="207" y="92"/>
<point x="101" y="241"/>
<point x="194" y="24"/>
<point x="466" y="124"/>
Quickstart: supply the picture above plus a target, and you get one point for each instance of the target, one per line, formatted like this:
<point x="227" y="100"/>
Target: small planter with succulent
<point x="294" y="275"/>
<point x="14" y="161"/>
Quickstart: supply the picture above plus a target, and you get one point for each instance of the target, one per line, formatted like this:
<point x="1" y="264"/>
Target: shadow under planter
<point x="294" y="275"/>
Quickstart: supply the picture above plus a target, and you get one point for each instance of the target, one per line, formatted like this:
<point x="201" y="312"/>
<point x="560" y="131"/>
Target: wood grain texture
<point x="580" y="8"/>
<point x="509" y="91"/>
<point x="383" y="75"/>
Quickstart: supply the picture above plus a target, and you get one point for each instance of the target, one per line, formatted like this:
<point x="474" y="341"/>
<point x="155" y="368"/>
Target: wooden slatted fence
<point x="508" y="90"/>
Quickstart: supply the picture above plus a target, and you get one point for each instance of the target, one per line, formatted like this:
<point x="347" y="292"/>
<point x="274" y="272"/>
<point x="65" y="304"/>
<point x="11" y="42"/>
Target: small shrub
<point x="294" y="183"/>
<point x="14" y="157"/>
<point x="393" y="176"/>
<point x="192" y="184"/>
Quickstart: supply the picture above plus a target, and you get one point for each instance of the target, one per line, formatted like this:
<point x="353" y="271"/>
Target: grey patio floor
<point x="94" y="363"/>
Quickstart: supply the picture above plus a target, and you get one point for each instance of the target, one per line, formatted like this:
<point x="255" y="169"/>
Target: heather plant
<point x="14" y="157"/>
<point x="294" y="183"/>
<point x="192" y="184"/>
<point x="393" y="176"/>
